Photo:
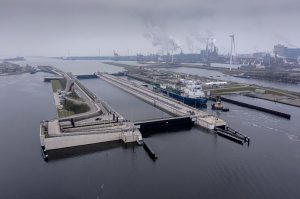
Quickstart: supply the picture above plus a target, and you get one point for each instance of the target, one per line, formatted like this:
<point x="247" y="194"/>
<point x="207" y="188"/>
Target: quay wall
<point x="78" y="140"/>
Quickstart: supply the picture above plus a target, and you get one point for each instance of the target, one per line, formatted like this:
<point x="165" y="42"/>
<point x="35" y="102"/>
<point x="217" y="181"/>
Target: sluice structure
<point x="165" y="103"/>
<point x="178" y="109"/>
<point x="101" y="123"/>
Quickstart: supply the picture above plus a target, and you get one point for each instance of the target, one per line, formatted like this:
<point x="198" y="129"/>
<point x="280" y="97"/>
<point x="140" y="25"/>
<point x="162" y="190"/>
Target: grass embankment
<point x="266" y="93"/>
<point x="59" y="84"/>
<point x="281" y="93"/>
<point x="65" y="113"/>
<point x="56" y="85"/>
<point x="76" y="107"/>
<point x="220" y="91"/>
<point x="74" y="96"/>
<point x="70" y="107"/>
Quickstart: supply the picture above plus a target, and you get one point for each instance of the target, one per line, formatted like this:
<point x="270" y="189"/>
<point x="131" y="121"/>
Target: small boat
<point x="242" y="76"/>
<point x="219" y="106"/>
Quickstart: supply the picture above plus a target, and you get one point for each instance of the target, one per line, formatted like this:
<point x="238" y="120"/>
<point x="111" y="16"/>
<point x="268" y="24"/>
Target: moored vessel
<point x="191" y="94"/>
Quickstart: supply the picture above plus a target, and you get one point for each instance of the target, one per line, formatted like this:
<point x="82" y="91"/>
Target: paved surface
<point x="168" y="104"/>
<point x="57" y="101"/>
<point x="61" y="133"/>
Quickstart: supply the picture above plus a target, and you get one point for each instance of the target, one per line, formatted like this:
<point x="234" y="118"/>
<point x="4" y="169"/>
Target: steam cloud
<point x="160" y="39"/>
<point x="198" y="40"/>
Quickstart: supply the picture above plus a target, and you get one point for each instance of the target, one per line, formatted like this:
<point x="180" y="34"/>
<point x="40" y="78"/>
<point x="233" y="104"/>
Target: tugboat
<point x="32" y="72"/>
<point x="219" y="106"/>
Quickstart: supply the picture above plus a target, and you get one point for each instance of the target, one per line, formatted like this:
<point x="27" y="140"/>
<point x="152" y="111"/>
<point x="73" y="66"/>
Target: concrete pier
<point x="103" y="124"/>
<point x="50" y="78"/>
<point x="53" y="136"/>
<point x="176" y="108"/>
<point x="203" y="119"/>
<point x="100" y="124"/>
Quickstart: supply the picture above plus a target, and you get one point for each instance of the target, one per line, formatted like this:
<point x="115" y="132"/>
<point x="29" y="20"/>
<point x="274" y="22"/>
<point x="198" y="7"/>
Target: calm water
<point x="220" y="76"/>
<point x="91" y="66"/>
<point x="215" y="65"/>
<point x="191" y="164"/>
<point x="128" y="106"/>
<point x="81" y="67"/>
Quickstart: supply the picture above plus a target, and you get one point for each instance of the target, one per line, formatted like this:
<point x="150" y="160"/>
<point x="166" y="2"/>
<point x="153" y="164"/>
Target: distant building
<point x="2" y="68"/>
<point x="259" y="55"/>
<point x="7" y="67"/>
<point x="283" y="51"/>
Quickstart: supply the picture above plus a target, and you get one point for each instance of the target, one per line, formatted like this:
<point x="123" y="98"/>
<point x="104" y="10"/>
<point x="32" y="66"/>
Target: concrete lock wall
<point x="77" y="140"/>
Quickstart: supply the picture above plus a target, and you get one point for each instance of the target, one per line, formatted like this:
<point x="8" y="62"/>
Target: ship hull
<point x="195" y="102"/>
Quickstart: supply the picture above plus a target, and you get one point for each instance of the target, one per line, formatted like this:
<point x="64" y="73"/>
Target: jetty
<point x="101" y="123"/>
<point x="167" y="104"/>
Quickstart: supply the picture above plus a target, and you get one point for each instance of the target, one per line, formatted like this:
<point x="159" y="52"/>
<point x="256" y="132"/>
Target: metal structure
<point x="232" y="49"/>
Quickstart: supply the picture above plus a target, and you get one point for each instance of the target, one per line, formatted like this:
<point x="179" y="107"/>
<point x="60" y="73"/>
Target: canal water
<point x="220" y="76"/>
<point x="128" y="106"/>
<point x="77" y="67"/>
<point x="92" y="66"/>
<point x="191" y="164"/>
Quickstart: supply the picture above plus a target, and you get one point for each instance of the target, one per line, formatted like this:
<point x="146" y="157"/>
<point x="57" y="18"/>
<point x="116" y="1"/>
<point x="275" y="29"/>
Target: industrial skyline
<point x="62" y="28"/>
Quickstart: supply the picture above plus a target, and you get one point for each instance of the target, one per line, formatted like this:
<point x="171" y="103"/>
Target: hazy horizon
<point x="65" y="27"/>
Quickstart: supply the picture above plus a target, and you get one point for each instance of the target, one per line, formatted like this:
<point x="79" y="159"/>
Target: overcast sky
<point x="82" y="27"/>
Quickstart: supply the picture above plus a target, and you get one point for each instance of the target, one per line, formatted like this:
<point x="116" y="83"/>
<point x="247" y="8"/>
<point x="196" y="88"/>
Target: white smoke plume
<point x="284" y="40"/>
<point x="160" y="39"/>
<point x="200" y="40"/>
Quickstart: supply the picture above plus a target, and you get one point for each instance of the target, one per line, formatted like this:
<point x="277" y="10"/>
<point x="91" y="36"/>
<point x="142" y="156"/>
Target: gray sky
<point x="54" y="27"/>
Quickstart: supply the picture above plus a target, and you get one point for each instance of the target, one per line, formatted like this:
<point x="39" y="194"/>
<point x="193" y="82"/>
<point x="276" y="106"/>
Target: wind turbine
<point x="232" y="49"/>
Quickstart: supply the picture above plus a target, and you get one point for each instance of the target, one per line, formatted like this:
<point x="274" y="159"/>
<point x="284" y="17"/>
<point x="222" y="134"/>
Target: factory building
<point x="283" y="51"/>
